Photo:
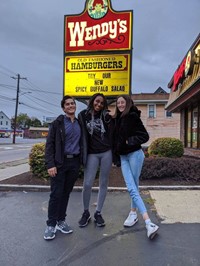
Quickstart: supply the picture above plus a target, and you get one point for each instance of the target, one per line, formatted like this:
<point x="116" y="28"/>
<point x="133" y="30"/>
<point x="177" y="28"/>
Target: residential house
<point x="5" y="125"/>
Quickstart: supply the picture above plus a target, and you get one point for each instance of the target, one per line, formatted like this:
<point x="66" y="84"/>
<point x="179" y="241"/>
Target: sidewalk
<point x="8" y="170"/>
<point x="172" y="203"/>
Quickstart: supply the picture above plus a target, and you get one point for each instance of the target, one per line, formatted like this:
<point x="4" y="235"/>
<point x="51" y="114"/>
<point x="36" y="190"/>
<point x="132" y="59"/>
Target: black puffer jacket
<point x="129" y="133"/>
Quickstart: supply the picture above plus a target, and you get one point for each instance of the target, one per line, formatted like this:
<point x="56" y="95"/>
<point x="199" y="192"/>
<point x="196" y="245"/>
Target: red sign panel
<point x="98" y="28"/>
<point x="179" y="75"/>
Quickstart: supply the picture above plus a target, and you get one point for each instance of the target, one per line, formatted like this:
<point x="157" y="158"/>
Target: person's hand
<point x="106" y="115"/>
<point x="52" y="171"/>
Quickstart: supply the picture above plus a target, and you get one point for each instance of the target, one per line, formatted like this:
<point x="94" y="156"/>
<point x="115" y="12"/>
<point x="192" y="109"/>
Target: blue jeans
<point x="131" y="165"/>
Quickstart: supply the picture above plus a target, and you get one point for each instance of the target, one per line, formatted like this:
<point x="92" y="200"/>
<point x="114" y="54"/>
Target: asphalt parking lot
<point x="23" y="215"/>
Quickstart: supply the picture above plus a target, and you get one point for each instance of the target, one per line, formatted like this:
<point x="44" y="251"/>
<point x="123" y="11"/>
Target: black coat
<point x="85" y="135"/>
<point x="55" y="144"/>
<point x="129" y="133"/>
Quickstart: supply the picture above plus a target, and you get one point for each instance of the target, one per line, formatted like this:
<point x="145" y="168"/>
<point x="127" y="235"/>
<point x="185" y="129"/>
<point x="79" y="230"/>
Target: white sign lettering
<point x="79" y="32"/>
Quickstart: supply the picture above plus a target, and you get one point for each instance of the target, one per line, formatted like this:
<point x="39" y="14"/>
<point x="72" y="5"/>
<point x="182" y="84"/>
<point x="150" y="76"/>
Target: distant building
<point x="157" y="120"/>
<point x="5" y="125"/>
<point x="50" y="119"/>
<point x="5" y="121"/>
<point x="37" y="132"/>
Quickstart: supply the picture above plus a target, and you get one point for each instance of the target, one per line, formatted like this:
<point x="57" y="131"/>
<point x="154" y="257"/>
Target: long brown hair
<point x="129" y="104"/>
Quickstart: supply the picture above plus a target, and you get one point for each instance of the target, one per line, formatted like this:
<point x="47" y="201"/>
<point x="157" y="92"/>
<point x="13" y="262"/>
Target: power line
<point x="43" y="101"/>
<point x="30" y="87"/>
<point x="5" y="74"/>
<point x="11" y="87"/>
<point x="5" y="97"/>
<point x="8" y="70"/>
<point x="38" y="89"/>
<point x="38" y="109"/>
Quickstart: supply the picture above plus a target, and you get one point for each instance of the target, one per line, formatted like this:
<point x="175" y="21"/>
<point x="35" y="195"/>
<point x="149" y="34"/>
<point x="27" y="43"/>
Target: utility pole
<point x="16" y="106"/>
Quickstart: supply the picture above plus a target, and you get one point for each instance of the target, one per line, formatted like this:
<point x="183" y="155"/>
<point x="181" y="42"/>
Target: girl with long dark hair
<point x="97" y="155"/>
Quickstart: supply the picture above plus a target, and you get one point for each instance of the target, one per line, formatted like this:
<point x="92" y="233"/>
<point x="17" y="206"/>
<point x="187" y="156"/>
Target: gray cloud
<point x="31" y="43"/>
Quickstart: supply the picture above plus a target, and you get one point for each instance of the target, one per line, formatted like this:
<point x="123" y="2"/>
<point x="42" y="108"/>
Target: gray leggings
<point x="104" y="161"/>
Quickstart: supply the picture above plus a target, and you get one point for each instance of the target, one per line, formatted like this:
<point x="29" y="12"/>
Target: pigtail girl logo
<point x="97" y="8"/>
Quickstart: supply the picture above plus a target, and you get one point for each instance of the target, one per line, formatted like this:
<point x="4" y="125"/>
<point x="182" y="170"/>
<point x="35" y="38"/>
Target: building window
<point x="6" y="123"/>
<point x="152" y="111"/>
<point x="168" y="114"/>
<point x="189" y="129"/>
<point x="1" y="123"/>
<point x="194" y="127"/>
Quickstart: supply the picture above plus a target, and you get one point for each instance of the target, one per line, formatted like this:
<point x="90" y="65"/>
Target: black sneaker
<point x="99" y="219"/>
<point x="84" y="219"/>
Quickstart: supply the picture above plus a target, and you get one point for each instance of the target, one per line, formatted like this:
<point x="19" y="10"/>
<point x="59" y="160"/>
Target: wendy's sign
<point x="98" y="51"/>
<point x="98" y="28"/>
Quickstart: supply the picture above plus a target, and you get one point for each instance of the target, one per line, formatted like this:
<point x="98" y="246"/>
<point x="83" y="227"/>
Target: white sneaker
<point x="131" y="219"/>
<point x="151" y="230"/>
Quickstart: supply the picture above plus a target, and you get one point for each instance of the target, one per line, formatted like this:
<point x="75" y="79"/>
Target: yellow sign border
<point x="85" y="75"/>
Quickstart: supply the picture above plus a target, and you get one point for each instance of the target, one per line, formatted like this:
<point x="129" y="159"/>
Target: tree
<point x="23" y="121"/>
<point x="45" y="124"/>
<point x="35" y="122"/>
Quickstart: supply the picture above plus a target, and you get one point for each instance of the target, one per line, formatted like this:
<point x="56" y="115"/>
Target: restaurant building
<point x="185" y="96"/>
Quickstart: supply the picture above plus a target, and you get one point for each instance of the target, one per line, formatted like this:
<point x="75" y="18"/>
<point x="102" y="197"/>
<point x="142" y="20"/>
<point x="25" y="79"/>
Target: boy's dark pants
<point x="61" y="187"/>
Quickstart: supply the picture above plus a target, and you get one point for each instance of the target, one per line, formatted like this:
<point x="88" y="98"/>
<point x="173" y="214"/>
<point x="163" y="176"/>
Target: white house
<point x="5" y="125"/>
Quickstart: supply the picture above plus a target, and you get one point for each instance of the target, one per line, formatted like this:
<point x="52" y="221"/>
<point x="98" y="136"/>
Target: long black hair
<point x="90" y="107"/>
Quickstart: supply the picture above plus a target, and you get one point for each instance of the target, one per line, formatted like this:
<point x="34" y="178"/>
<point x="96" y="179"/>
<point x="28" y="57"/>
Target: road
<point x="11" y="152"/>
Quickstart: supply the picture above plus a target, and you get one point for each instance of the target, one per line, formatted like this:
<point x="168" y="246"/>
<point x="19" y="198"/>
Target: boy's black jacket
<point x="55" y="144"/>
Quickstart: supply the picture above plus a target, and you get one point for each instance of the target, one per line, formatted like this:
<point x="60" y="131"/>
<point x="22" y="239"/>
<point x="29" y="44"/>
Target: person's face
<point x="69" y="107"/>
<point x="98" y="103"/>
<point x="121" y="104"/>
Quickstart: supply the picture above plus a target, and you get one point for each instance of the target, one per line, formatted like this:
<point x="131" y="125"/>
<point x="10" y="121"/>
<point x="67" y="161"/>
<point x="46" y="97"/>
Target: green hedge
<point x="182" y="168"/>
<point x="176" y="168"/>
<point x="166" y="147"/>
<point x="37" y="161"/>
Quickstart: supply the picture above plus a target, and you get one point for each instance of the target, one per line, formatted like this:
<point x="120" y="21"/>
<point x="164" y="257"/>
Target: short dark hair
<point x="91" y="101"/>
<point x="65" y="98"/>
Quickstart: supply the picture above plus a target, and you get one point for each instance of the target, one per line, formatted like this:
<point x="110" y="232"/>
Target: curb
<point x="4" y="165"/>
<point x="37" y="188"/>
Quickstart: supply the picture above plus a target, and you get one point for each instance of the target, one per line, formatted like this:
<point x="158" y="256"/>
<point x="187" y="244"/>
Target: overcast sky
<point x="31" y="44"/>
